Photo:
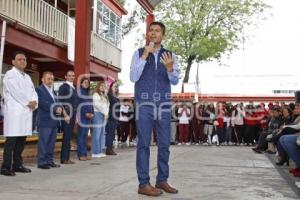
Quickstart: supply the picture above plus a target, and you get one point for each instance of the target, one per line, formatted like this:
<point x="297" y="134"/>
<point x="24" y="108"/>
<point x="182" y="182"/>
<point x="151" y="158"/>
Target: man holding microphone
<point x="153" y="70"/>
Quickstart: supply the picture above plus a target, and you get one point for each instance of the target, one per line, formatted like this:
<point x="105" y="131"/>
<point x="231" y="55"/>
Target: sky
<point x="268" y="60"/>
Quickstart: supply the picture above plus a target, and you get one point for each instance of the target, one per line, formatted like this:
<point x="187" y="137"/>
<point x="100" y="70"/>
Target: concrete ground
<point x="199" y="172"/>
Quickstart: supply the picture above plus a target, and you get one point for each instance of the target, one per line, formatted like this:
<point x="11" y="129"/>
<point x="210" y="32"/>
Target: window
<point x="108" y="24"/>
<point x="100" y="6"/>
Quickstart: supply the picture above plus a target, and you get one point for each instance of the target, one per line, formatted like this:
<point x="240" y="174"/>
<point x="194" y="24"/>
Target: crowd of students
<point x="273" y="129"/>
<point x="281" y="136"/>
<point x="220" y="124"/>
<point x="207" y="123"/>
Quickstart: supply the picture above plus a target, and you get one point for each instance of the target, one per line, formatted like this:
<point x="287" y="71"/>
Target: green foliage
<point x="120" y="82"/>
<point x="201" y="30"/>
<point x="93" y="85"/>
<point x="136" y="16"/>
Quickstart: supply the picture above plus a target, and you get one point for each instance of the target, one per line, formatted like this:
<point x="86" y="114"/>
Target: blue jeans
<point x="288" y="142"/>
<point x="82" y="140"/>
<point x="280" y="149"/>
<point x="98" y="136"/>
<point x="110" y="130"/>
<point x="145" y="122"/>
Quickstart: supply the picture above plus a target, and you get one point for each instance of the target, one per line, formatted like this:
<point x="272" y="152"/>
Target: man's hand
<point x="32" y="105"/>
<point x="167" y="60"/>
<point x="58" y="111"/>
<point x="148" y="49"/>
<point x="66" y="116"/>
<point x="67" y="119"/>
<point x="89" y="115"/>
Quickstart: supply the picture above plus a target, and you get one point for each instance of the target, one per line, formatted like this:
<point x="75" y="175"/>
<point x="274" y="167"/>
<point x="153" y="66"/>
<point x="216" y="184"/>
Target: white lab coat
<point x="18" y="91"/>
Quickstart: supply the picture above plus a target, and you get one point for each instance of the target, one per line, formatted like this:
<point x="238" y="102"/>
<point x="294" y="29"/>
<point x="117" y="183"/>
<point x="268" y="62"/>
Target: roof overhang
<point x="154" y="2"/>
<point x="149" y="5"/>
<point x="120" y="7"/>
<point x="72" y="4"/>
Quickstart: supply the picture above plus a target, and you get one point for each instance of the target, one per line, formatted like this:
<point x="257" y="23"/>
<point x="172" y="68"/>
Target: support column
<point x="82" y="37"/>
<point x="2" y="44"/>
<point x="149" y="19"/>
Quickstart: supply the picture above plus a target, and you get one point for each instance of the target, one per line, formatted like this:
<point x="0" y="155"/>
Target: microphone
<point x="151" y="44"/>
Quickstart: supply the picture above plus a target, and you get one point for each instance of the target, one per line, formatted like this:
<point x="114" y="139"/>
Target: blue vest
<point x="154" y="84"/>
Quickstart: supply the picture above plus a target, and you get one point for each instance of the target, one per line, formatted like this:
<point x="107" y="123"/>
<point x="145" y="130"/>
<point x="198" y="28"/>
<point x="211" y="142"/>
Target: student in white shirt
<point x="184" y="114"/>
<point x="101" y="109"/>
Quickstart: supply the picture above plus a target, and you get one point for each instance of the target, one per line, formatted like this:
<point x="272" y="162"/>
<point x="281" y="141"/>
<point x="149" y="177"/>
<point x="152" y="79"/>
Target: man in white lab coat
<point x="20" y="99"/>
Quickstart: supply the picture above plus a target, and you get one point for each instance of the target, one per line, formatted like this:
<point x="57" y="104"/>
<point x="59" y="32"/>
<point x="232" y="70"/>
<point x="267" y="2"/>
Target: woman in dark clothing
<point x="113" y="116"/>
<point x="273" y="126"/>
<point x="287" y="115"/>
<point x="288" y="129"/>
<point x="132" y="134"/>
<point x="85" y="115"/>
<point x="282" y="155"/>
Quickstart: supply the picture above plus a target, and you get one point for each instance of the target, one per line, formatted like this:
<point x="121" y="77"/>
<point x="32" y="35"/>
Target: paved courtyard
<point x="199" y="172"/>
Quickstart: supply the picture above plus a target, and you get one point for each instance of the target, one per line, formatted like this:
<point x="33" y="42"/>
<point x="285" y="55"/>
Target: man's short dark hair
<point x="70" y="71"/>
<point x="17" y="53"/>
<point x="47" y="72"/>
<point x="162" y="26"/>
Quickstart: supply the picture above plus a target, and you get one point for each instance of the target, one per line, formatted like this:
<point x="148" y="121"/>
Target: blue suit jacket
<point x="71" y="97"/>
<point x="44" y="110"/>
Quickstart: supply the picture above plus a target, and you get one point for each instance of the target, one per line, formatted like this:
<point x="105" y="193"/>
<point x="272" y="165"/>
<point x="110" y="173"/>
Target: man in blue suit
<point x="69" y="99"/>
<point x="47" y="124"/>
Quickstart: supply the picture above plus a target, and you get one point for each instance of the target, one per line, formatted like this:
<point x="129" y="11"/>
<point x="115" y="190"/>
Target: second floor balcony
<point x="43" y="18"/>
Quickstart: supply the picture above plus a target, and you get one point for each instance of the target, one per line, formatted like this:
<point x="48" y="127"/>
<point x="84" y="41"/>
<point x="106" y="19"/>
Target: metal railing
<point x="47" y="20"/>
<point x="38" y="15"/>
<point x="104" y="50"/>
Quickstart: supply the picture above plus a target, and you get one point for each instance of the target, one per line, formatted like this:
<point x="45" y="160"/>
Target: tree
<point x="202" y="30"/>
<point x="135" y="16"/>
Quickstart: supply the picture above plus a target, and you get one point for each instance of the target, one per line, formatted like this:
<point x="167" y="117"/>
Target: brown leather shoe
<point x="88" y="158"/>
<point x="110" y="152"/>
<point x="82" y="158"/>
<point x="166" y="187"/>
<point x="67" y="162"/>
<point x="149" y="191"/>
